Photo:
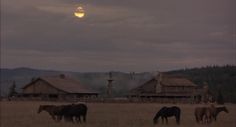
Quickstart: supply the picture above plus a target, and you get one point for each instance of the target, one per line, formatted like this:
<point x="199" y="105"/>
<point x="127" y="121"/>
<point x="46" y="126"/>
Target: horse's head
<point x="225" y="109"/>
<point x="40" y="108"/>
<point x="155" y="121"/>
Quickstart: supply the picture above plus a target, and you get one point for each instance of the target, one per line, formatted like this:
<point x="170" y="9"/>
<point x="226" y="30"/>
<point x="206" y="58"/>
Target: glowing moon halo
<point x="79" y="12"/>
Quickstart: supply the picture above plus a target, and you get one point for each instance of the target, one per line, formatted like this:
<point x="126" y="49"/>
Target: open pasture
<point x="24" y="114"/>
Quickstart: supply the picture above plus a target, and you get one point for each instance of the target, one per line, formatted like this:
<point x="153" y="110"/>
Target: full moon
<point x="79" y="12"/>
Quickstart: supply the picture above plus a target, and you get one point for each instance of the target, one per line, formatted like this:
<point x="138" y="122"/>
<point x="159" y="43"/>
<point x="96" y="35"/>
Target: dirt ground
<point x="24" y="114"/>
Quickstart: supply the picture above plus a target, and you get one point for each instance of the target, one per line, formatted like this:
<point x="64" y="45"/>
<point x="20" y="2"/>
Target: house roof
<point x="176" y="81"/>
<point x="165" y="80"/>
<point x="65" y="84"/>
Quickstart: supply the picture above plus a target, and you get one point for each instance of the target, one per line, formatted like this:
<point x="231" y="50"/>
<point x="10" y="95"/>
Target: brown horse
<point x="71" y="112"/>
<point x="168" y="112"/>
<point x="216" y="110"/>
<point x="206" y="114"/>
<point x="203" y="114"/>
<point x="53" y="111"/>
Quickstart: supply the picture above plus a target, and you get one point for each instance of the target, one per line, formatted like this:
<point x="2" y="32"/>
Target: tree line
<point x="221" y="79"/>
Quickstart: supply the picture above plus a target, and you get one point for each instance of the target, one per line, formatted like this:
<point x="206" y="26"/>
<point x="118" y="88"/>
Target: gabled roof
<point x="65" y="84"/>
<point x="176" y="81"/>
<point x="165" y="80"/>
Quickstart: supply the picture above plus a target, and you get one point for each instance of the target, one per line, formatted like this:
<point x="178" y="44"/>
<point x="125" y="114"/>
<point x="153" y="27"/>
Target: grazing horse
<point x="206" y="114"/>
<point x="74" y="112"/>
<point x="54" y="111"/>
<point x="216" y="110"/>
<point x="203" y="114"/>
<point x="167" y="112"/>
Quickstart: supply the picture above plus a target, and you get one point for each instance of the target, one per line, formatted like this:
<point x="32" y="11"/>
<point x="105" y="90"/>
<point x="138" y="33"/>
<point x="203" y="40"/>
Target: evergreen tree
<point x="12" y="90"/>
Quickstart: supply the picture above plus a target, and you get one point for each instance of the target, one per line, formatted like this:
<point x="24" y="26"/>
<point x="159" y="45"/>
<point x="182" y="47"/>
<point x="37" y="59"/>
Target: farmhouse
<point x="57" y="87"/>
<point x="165" y="87"/>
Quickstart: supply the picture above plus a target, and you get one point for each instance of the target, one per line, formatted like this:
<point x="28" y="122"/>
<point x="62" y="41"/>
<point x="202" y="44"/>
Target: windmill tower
<point x="109" y="85"/>
<point x="158" y="78"/>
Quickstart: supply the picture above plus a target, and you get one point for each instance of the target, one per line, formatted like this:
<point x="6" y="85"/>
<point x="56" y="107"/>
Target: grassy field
<point x="24" y="114"/>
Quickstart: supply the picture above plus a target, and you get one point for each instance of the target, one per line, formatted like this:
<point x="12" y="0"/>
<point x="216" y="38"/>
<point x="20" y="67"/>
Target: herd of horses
<point x="203" y="115"/>
<point x="71" y="112"/>
<point x="74" y="113"/>
<point x="207" y="114"/>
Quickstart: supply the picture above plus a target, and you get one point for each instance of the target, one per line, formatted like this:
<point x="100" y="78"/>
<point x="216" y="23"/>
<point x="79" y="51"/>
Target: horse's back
<point x="176" y="108"/>
<point x="171" y="111"/>
<point x="81" y="108"/>
<point x="75" y="109"/>
<point x="199" y="110"/>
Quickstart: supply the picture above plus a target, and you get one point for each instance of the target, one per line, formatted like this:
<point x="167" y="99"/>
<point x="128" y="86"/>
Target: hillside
<point x="219" y="78"/>
<point x="97" y="80"/>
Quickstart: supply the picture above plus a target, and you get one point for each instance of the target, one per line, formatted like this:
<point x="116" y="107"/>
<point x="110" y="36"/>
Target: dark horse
<point x="75" y="112"/>
<point x="53" y="111"/>
<point x="168" y="112"/>
<point x="71" y="112"/>
<point x="216" y="110"/>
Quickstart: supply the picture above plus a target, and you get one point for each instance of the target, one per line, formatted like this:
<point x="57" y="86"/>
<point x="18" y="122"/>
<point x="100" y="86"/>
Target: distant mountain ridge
<point x="218" y="77"/>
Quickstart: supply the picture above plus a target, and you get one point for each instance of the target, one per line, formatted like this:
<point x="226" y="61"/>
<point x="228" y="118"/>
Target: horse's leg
<point x="78" y="119"/>
<point x="166" y="120"/>
<point x="202" y="119"/>
<point x="72" y="119"/>
<point x="210" y="119"/>
<point x="207" y="119"/>
<point x="177" y="119"/>
<point x="162" y="119"/>
<point x="196" y="117"/>
<point x="84" y="117"/>
<point x="56" y="118"/>
<point x="59" y="118"/>
<point x="69" y="119"/>
<point x="66" y="119"/>
<point x="53" y="117"/>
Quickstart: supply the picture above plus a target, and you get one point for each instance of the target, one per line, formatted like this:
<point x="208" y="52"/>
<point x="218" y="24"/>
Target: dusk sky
<point x="118" y="35"/>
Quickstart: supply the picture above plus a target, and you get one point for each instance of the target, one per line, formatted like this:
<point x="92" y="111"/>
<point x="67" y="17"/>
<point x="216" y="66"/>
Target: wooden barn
<point x="57" y="87"/>
<point x="165" y="88"/>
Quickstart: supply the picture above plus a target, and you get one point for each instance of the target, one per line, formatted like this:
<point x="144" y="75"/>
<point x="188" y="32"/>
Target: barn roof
<point x="176" y="81"/>
<point x="65" y="84"/>
<point x="165" y="80"/>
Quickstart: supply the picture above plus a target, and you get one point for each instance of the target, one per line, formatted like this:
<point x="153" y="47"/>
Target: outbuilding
<point x="57" y="87"/>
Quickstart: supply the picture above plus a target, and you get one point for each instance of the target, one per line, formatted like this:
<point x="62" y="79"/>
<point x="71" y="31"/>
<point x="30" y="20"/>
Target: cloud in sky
<point x="117" y="35"/>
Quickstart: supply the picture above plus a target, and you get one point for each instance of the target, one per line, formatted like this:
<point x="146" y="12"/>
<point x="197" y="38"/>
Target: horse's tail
<point x="85" y="113"/>
<point x="178" y="117"/>
<point x="196" y="116"/>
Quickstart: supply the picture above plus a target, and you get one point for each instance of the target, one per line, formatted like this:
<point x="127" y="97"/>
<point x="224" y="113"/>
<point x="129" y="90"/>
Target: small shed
<point x="57" y="87"/>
